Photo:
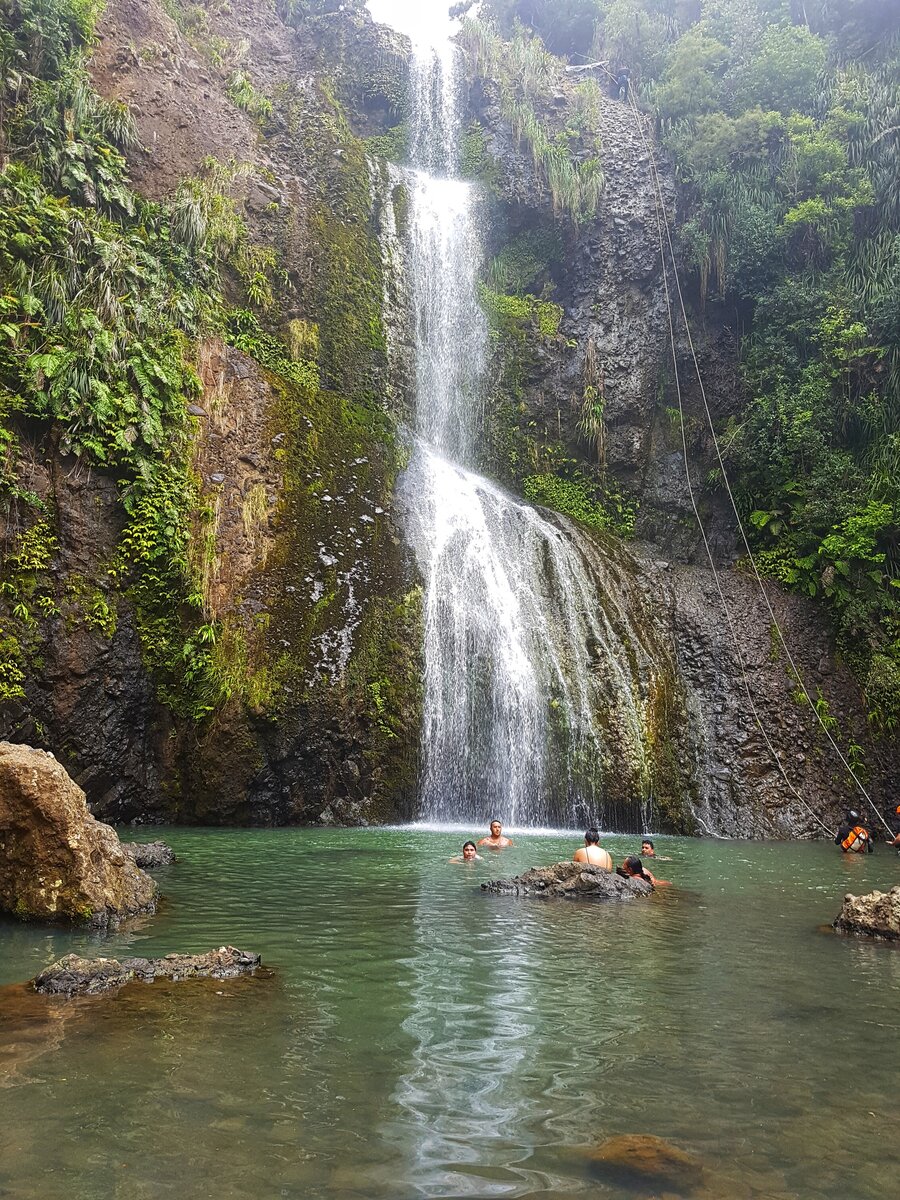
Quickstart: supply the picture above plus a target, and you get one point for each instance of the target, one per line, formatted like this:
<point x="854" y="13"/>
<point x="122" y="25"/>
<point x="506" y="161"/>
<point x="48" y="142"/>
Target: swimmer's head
<point x="591" y="837"/>
<point x="469" y="850"/>
<point x="496" y="829"/>
<point x="633" y="866"/>
<point x="647" y="846"/>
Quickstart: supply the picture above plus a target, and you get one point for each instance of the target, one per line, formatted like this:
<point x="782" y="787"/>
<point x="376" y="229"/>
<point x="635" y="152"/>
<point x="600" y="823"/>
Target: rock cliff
<point x="304" y="610"/>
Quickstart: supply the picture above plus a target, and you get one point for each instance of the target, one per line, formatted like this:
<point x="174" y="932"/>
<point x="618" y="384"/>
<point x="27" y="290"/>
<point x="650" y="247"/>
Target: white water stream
<point x="521" y="652"/>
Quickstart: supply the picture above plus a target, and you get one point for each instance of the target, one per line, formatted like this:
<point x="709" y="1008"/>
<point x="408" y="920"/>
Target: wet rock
<point x="647" y="1165"/>
<point x="56" y="861"/>
<point x="76" y="976"/>
<point x="571" y="880"/>
<point x="874" y="915"/>
<point x="149" y="855"/>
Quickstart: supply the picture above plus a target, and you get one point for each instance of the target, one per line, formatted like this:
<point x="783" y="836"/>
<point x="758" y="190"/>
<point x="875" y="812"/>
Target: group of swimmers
<point x="591" y="853"/>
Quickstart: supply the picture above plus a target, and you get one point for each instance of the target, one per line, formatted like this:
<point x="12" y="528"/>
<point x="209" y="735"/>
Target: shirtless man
<point x="648" y="851"/>
<point x="496" y="841"/>
<point x="592" y="852"/>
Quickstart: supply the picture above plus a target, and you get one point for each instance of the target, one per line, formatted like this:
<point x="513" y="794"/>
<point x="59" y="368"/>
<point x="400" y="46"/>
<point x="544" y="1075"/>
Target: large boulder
<point x="875" y="915"/>
<point x="57" y="863"/>
<point x="571" y="880"/>
<point x="76" y="976"/>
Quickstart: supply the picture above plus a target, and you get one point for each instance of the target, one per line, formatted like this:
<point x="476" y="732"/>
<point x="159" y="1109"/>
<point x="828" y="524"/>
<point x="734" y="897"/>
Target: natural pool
<point x="420" y="1039"/>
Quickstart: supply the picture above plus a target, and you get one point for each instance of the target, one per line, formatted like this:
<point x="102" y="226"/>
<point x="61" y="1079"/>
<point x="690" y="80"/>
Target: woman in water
<point x="469" y="854"/>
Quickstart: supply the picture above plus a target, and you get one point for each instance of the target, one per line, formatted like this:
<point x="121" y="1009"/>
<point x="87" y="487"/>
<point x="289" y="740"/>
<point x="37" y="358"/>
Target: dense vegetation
<point x="102" y="297"/>
<point x="783" y="120"/>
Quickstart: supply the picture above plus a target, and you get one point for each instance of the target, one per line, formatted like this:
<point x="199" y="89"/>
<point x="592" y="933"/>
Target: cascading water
<point x="531" y="692"/>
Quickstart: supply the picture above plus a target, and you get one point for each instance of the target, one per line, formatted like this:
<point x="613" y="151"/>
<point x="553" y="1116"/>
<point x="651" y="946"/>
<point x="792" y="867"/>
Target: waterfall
<point x="534" y="677"/>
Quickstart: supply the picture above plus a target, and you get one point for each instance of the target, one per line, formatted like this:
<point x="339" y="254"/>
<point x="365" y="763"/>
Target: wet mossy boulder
<point x="572" y="881"/>
<point x="876" y="915"/>
<point x="76" y="976"/>
<point x="647" y="1165"/>
<point x="57" y="863"/>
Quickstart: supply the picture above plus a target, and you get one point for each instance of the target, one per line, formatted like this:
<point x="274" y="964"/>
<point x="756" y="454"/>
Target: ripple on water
<point x="422" y="1039"/>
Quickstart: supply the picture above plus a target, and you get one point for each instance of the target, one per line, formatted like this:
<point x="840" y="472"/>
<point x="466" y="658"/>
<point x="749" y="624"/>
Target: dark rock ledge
<point x="76" y="976"/>
<point x="149" y="855"/>
<point x="570" y="880"/>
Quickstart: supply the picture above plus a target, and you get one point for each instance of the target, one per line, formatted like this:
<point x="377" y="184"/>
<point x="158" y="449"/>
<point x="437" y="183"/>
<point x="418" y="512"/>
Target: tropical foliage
<point x="102" y="298"/>
<point x="783" y="120"/>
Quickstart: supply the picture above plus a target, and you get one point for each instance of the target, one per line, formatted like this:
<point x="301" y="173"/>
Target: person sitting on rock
<point x="469" y="854"/>
<point x="496" y="841"/>
<point x="633" y="868"/>
<point x="854" y="837"/>
<point x="593" y="853"/>
<point x="648" y="851"/>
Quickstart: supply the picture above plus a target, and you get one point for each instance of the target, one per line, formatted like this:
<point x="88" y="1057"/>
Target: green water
<point x="420" y="1039"/>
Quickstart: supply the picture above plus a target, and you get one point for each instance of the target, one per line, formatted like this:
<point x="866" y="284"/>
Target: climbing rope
<point x="665" y="237"/>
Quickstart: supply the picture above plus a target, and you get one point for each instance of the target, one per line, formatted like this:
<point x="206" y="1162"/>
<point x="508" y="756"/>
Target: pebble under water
<point x="420" y="1039"/>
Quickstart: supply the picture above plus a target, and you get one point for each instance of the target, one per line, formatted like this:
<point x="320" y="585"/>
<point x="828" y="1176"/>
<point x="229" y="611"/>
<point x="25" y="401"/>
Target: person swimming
<point x="496" y="840"/>
<point x="593" y="853"/>
<point x="469" y="854"/>
<point x="648" y="850"/>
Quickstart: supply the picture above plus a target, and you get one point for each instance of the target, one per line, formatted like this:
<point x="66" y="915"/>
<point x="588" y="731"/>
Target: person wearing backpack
<point x="853" y="837"/>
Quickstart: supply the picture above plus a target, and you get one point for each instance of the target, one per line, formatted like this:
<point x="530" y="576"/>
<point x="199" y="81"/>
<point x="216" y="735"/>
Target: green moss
<point x="347" y="281"/>
<point x="673" y="787"/>
<point x="507" y="314"/>
<point x="400" y="202"/>
<point x="392" y="146"/>
<point x="86" y="603"/>
<point x="585" y="501"/>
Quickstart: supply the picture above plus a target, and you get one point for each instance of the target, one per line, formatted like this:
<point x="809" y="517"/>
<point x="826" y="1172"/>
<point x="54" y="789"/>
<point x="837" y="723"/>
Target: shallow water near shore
<point x="421" y="1039"/>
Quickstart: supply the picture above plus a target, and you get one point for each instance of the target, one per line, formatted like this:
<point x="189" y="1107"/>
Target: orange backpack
<point x="856" y="840"/>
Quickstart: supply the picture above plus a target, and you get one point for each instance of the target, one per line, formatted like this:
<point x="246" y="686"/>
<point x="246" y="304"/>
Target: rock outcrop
<point x="57" y="863"/>
<point x="149" y="855"/>
<point x="76" y="976"/>
<point x="570" y="880"/>
<point x="874" y="915"/>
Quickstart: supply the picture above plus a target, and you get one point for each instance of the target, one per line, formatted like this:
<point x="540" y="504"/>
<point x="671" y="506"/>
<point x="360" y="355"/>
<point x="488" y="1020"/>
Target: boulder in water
<point x="571" y="880"/>
<point x="647" y="1165"/>
<point x="149" y="855"/>
<point x="875" y="915"/>
<point x="56" y="861"/>
<point x="76" y="976"/>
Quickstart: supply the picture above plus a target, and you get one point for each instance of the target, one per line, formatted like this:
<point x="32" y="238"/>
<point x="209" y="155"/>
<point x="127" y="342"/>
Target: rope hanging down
<point x="665" y="238"/>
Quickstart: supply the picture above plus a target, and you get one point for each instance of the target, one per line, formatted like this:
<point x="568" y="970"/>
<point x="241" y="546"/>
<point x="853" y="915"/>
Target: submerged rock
<point x="874" y="915"/>
<point x="56" y="861"/>
<point x="76" y="976"/>
<point x="570" y="879"/>
<point x="641" y="1161"/>
<point x="149" y="855"/>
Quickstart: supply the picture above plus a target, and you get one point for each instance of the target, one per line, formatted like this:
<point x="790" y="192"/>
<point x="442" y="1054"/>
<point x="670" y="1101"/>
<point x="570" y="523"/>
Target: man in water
<point x="593" y="853"/>
<point x="496" y="841"/>
<point x="854" y="837"/>
<point x="648" y="851"/>
<point x="469" y="854"/>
